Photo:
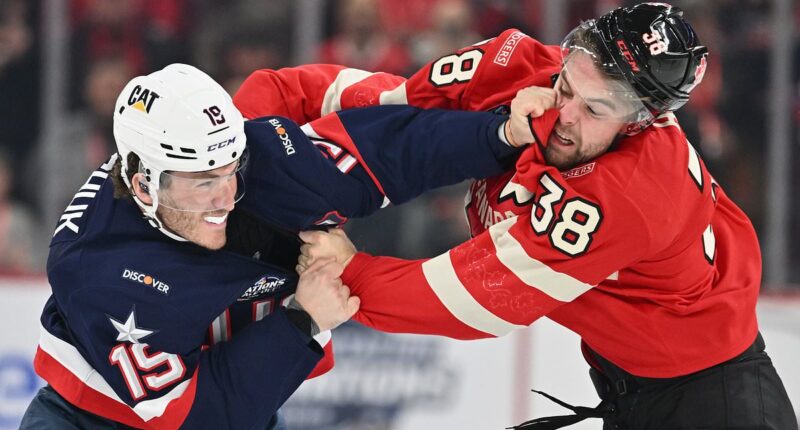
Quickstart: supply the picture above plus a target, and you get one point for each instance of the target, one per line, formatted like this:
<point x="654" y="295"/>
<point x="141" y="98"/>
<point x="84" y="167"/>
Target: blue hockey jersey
<point x="156" y="333"/>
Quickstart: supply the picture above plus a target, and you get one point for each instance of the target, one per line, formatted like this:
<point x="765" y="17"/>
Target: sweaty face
<point x="591" y="114"/>
<point x="214" y="190"/>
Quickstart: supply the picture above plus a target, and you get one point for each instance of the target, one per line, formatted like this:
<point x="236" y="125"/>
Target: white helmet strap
<point x="150" y="211"/>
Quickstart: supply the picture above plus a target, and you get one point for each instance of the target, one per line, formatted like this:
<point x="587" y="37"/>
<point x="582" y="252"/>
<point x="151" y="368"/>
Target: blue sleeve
<point x="411" y="150"/>
<point x="292" y="183"/>
<point x="348" y="164"/>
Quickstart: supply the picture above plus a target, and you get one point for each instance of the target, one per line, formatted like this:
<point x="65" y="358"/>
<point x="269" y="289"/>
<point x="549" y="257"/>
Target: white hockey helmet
<point x="177" y="119"/>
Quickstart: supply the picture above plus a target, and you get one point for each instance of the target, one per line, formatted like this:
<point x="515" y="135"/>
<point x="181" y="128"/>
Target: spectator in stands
<point x="237" y="34"/>
<point x="147" y="34"/>
<point x="18" y="230"/>
<point x="19" y="84"/>
<point x="451" y="29"/>
<point x="243" y="53"/>
<point x="360" y="43"/>
<point x="87" y="139"/>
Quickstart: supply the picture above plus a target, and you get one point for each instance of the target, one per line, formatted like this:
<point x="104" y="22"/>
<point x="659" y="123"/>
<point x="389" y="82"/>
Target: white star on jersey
<point x="128" y="332"/>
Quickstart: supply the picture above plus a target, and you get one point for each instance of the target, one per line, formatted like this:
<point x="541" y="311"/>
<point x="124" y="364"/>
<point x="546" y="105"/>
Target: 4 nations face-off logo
<point x="265" y="285"/>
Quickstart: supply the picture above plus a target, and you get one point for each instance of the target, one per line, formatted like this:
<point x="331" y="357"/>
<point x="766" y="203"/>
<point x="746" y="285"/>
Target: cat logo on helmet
<point x="142" y="99"/>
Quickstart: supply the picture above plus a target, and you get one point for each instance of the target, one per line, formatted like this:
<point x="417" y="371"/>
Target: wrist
<point x="301" y="318"/>
<point x="509" y="135"/>
<point x="348" y="260"/>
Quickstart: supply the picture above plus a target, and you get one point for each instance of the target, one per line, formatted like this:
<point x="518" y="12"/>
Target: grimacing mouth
<point x="562" y="137"/>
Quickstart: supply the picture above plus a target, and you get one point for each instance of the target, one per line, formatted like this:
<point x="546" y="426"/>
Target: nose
<point x="225" y="194"/>
<point x="568" y="110"/>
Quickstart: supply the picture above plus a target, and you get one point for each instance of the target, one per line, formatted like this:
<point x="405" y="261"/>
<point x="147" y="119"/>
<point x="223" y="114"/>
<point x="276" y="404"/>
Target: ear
<point x="140" y="184"/>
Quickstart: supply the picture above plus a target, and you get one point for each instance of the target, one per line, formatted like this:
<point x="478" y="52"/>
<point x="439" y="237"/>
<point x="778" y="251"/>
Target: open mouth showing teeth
<point x="216" y="219"/>
<point x="563" y="139"/>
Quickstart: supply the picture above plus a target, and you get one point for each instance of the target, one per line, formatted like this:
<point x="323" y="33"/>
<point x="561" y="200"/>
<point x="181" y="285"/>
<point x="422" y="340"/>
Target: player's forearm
<point x="296" y="93"/>
<point x="411" y="151"/>
<point x="308" y="92"/>
<point x="396" y="298"/>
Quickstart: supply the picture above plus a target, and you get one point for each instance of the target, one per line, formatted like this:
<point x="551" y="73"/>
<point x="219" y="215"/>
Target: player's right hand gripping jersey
<point x="638" y="251"/>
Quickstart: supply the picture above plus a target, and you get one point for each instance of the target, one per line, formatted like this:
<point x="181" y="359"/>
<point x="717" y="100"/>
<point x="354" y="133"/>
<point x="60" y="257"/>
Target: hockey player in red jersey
<point x="611" y="226"/>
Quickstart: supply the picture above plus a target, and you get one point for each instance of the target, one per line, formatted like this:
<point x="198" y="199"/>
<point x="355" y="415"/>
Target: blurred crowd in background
<point x="110" y="41"/>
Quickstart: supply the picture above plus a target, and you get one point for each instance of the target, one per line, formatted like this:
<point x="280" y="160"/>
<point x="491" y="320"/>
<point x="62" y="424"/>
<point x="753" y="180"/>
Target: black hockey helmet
<point x="651" y="47"/>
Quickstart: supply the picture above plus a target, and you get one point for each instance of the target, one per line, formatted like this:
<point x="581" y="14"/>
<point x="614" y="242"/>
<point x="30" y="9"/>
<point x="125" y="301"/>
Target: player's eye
<point x="565" y="91"/>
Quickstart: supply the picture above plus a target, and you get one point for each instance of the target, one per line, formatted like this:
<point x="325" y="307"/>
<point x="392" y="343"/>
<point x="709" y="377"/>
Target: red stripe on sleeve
<point x="330" y="127"/>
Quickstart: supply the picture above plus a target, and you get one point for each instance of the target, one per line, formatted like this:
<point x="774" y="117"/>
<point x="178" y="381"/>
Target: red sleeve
<point x="485" y="75"/>
<point x="513" y="273"/>
<point x="478" y="77"/>
<point x="306" y="93"/>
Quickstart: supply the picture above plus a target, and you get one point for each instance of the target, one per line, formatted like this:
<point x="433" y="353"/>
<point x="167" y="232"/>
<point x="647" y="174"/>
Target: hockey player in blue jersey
<point x="170" y="309"/>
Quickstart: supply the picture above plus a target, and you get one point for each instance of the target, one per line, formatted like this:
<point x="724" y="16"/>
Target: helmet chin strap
<point x="150" y="211"/>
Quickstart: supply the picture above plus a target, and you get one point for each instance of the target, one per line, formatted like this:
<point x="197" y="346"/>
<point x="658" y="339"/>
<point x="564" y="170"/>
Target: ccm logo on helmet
<point x="142" y="99"/>
<point x="145" y="280"/>
<point x="287" y="143"/>
<point x="628" y="56"/>
<point x="222" y="144"/>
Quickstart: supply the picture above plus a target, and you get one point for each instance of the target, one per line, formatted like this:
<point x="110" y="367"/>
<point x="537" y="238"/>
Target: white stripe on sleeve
<point x="441" y="276"/>
<point x="309" y="131"/>
<point x="323" y="337"/>
<point x="531" y="271"/>
<point x="332" y="101"/>
<point x="396" y="96"/>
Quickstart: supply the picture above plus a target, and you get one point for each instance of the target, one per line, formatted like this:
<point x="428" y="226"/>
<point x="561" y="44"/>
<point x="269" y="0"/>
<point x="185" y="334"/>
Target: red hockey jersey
<point x="639" y="251"/>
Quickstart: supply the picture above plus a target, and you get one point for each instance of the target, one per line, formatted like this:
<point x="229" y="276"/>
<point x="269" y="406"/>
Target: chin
<point x="216" y="244"/>
<point x="564" y="160"/>
<point x="558" y="160"/>
<point x="211" y="241"/>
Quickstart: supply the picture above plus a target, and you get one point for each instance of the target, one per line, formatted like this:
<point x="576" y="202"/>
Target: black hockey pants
<point x="744" y="392"/>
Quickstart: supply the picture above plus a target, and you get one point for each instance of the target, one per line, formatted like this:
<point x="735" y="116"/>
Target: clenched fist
<point x="333" y="244"/>
<point x="321" y="293"/>
<point x="531" y="102"/>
